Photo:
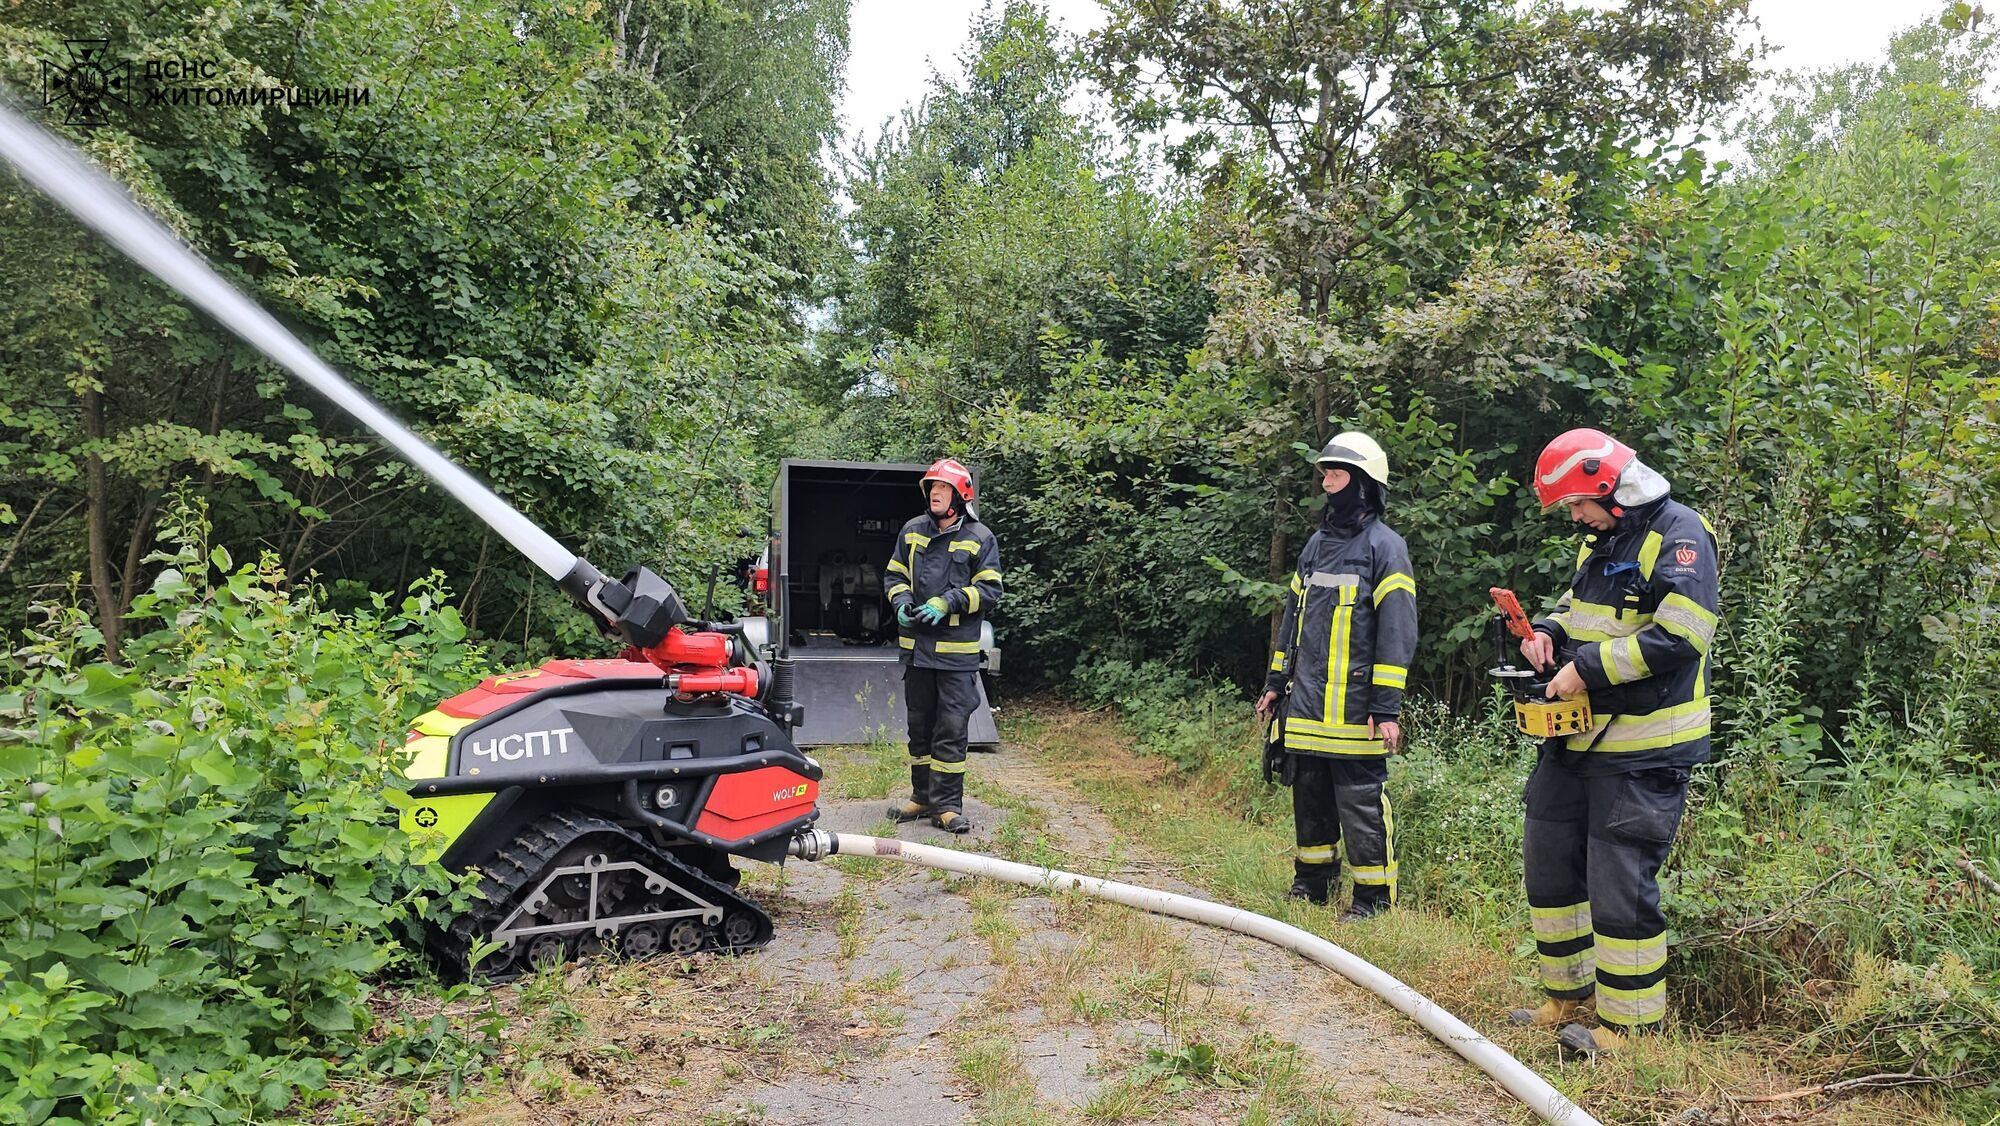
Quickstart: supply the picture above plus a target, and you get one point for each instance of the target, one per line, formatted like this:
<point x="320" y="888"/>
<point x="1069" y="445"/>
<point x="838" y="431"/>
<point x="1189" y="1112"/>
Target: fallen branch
<point x="1971" y="868"/>
<point x="1885" y="1079"/>
<point x="1781" y="915"/>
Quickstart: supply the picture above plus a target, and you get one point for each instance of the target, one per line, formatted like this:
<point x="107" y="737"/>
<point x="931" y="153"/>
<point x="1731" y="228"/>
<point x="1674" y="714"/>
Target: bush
<point x="199" y="874"/>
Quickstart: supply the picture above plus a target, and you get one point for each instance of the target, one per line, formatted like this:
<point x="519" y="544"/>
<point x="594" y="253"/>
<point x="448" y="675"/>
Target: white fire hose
<point x="1454" y="1033"/>
<point x="68" y="178"/>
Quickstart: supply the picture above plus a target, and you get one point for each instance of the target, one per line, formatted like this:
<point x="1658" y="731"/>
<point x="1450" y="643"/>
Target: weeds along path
<point x="981" y="1002"/>
<point x="901" y="996"/>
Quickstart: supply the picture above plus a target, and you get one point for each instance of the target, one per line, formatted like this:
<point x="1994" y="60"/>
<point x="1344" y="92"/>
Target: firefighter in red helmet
<point x="944" y="578"/>
<point x="1632" y="633"/>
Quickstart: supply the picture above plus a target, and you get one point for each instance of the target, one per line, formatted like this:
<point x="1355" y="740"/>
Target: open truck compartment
<point x="833" y="525"/>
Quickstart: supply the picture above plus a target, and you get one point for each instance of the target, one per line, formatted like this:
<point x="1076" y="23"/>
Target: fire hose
<point x="1523" y="1083"/>
<point x="67" y="178"/>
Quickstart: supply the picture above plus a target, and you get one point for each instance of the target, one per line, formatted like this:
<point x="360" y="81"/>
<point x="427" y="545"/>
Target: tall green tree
<point x="482" y="245"/>
<point x="1374" y="148"/>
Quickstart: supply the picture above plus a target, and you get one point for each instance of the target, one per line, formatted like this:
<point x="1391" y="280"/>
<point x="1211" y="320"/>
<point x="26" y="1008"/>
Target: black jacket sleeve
<point x="1395" y="626"/>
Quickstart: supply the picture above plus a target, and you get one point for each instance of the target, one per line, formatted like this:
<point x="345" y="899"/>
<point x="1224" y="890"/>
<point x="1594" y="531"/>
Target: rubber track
<point x="523" y="861"/>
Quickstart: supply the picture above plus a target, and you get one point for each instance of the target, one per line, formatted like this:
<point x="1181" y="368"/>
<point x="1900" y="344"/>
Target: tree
<point x="1389" y="140"/>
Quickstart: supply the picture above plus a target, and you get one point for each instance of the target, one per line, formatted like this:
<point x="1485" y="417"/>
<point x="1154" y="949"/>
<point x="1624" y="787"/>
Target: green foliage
<point x="200" y="874"/>
<point x="550" y="243"/>
<point x="1826" y="899"/>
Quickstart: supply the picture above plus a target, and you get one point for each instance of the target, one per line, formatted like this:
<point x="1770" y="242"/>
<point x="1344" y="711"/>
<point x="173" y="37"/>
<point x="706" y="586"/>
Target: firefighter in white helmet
<point x="1336" y="682"/>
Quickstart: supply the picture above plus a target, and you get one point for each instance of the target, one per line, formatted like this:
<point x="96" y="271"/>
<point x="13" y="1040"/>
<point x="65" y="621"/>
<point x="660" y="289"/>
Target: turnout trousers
<point x="1338" y="805"/>
<point x="940" y="703"/>
<point x="1592" y="850"/>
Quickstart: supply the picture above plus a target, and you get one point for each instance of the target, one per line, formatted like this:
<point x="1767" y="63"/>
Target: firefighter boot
<point x="1314" y="889"/>
<point x="1604" y="1040"/>
<point x="948" y="798"/>
<point x="919" y="805"/>
<point x="1362" y="910"/>
<point x="1553" y="1013"/>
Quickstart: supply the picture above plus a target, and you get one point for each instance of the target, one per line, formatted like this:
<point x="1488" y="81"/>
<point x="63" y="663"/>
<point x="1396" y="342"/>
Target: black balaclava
<point x="1347" y="509"/>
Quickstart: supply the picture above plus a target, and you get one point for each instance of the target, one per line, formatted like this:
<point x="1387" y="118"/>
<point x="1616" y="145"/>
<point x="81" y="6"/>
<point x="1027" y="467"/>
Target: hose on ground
<point x="1518" y="1079"/>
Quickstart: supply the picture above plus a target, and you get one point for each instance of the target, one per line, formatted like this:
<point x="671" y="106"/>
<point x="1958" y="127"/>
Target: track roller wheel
<point x="641" y="940"/>
<point x="739" y="930"/>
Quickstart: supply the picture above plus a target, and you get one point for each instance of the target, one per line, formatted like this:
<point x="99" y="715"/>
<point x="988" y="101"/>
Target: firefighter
<point x="1632" y="634"/>
<point x="944" y="578"/>
<point x="1336" y="682"/>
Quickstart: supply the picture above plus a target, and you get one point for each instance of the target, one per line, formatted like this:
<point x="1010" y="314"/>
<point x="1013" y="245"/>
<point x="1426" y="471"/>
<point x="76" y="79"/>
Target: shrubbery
<point x="199" y="875"/>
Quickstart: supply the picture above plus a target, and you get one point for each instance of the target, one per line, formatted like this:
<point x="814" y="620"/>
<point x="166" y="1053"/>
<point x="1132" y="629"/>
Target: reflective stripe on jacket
<point x="1346" y="641"/>
<point x="1638" y="620"/>
<point x="961" y="565"/>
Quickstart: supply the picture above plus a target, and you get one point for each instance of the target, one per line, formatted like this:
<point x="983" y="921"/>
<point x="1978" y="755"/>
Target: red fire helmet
<point x="951" y="473"/>
<point x="1580" y="464"/>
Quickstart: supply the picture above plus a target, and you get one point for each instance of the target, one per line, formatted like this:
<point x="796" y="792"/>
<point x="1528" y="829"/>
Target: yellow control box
<point x="1547" y="719"/>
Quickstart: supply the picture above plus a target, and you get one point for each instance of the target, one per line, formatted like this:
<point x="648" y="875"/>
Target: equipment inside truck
<point x="843" y="519"/>
<point x="833" y="525"/>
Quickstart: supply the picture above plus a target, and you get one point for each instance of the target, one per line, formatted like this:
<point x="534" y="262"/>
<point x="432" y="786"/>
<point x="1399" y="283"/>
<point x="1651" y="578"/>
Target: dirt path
<point x="987" y="1003"/>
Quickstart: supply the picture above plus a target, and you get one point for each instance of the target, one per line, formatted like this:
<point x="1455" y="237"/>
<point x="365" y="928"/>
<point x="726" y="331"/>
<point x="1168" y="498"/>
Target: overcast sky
<point x="896" y="44"/>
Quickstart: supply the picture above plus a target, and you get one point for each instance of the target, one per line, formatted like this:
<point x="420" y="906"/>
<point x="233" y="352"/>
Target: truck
<point x="833" y="524"/>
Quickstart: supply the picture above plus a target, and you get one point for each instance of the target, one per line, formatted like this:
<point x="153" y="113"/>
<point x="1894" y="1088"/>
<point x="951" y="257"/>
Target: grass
<point x="1476" y="967"/>
<point x="616" y="1040"/>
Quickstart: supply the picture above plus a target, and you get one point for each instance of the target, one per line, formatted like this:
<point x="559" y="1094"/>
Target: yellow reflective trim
<point x="1278" y="661"/>
<point x="1663" y="728"/>
<point x="920" y="760"/>
<point x="1391" y="676"/>
<point x="1316" y="854"/>
<point x="958" y="647"/>
<point x="899" y="588"/>
<point x="1632" y="1006"/>
<point x="1297" y="586"/>
<point x="1592" y="621"/>
<point x="1684" y="617"/>
<point x="947" y="767"/>
<point x="916" y="539"/>
<point x="1314" y="743"/>
<point x="1623" y="660"/>
<point x="896" y="565"/>
<point x="1649" y="554"/>
<point x="1560" y="924"/>
<point x="1583" y="550"/>
<point x="1564" y="973"/>
<point x="1561" y="914"/>
<point x="1632" y="957"/>
<point x="1394" y="583"/>
<point x="971" y="599"/>
<point x="907" y="642"/>
<point x="963" y="545"/>
<point x="1336" y="657"/>
<point x="1327" y="730"/>
<point x="988" y="575"/>
<point x="1374" y="876"/>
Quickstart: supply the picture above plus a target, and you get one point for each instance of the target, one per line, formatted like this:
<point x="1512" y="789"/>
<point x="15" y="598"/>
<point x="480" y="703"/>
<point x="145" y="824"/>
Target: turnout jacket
<point x="1638" y="620"/>
<point x="1346" y="640"/>
<point x="963" y="566"/>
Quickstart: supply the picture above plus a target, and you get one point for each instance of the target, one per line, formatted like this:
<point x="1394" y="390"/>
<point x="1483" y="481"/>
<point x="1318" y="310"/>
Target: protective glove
<point x="1277" y="763"/>
<point x="933" y="612"/>
<point x="903" y="617"/>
